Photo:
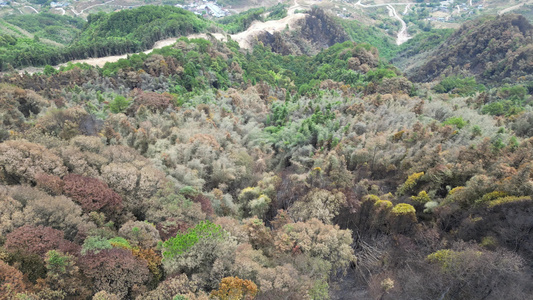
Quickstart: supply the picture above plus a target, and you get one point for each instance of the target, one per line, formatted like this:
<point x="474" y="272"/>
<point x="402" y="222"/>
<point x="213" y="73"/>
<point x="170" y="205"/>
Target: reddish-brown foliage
<point x="11" y="281"/>
<point x="39" y="240"/>
<point x="204" y="202"/>
<point x="170" y="228"/>
<point x="92" y="194"/>
<point x="153" y="101"/>
<point x="116" y="271"/>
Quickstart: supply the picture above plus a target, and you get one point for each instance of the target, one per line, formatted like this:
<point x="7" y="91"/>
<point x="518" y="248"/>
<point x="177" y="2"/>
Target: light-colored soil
<point x="403" y="36"/>
<point x="218" y="36"/>
<point x="245" y="38"/>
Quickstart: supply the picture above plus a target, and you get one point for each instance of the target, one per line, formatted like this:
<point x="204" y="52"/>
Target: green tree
<point x="49" y="70"/>
<point x="119" y="104"/>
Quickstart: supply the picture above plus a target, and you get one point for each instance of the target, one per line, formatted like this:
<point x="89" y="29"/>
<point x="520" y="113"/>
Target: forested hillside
<point x="60" y="29"/>
<point x="205" y="171"/>
<point x="126" y="31"/>
<point x="494" y="49"/>
<point x="135" y="30"/>
<point x="313" y="33"/>
<point x="419" y="49"/>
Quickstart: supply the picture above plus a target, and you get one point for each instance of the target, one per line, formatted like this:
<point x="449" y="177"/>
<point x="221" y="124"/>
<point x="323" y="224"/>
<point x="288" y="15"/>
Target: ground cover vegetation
<point x="203" y="171"/>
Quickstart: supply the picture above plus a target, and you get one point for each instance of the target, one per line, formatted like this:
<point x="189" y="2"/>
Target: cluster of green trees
<point x="357" y="65"/>
<point x="369" y="34"/>
<point x="126" y="31"/>
<point x="19" y="52"/>
<point x="116" y="33"/>
<point x="61" y="29"/>
<point x="458" y="85"/>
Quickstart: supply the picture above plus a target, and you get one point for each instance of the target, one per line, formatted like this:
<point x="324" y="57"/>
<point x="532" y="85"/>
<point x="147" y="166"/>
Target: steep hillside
<point x="137" y="29"/>
<point x="313" y="33"/>
<point x="60" y="29"/>
<point x="490" y="48"/>
<point x="416" y="51"/>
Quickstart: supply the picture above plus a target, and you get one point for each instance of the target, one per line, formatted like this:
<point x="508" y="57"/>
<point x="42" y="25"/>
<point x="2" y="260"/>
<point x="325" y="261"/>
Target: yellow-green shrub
<point x="410" y="183"/>
<point x="508" y="199"/>
<point x="422" y="198"/>
<point x="403" y="209"/>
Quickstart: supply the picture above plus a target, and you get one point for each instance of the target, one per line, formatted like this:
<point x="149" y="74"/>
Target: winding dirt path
<point x="245" y="38"/>
<point x="384" y="4"/>
<point x="31" y="7"/>
<point x="101" y="61"/>
<point x="62" y="10"/>
<point x="402" y="36"/>
<point x="89" y="7"/>
<point x="406" y="10"/>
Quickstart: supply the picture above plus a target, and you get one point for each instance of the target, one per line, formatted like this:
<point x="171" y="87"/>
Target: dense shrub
<point x="140" y="234"/>
<point x="11" y="281"/>
<point x="21" y="161"/>
<point x="92" y="194"/>
<point x="116" y="271"/>
<point x="39" y="240"/>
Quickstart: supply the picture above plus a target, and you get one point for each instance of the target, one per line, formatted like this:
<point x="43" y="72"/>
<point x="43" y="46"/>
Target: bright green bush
<point x="183" y="242"/>
<point x="464" y="86"/>
<point x="456" y="121"/>
<point x="120" y="242"/>
<point x="502" y="108"/>
<point x="95" y="244"/>
<point x="119" y="104"/>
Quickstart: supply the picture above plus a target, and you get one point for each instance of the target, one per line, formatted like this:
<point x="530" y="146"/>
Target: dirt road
<point x="101" y="61"/>
<point x="402" y="36"/>
<point x="245" y="38"/>
<point x="79" y="13"/>
<point x="31" y="7"/>
<point x="62" y="11"/>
